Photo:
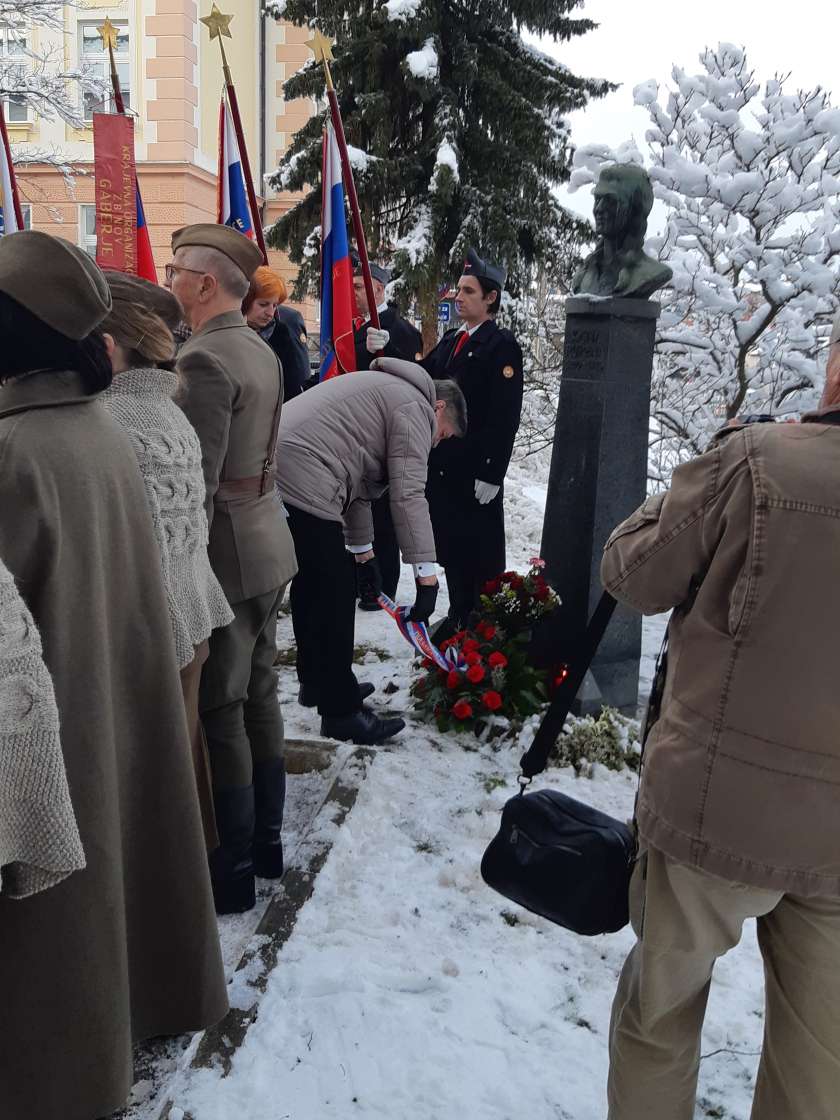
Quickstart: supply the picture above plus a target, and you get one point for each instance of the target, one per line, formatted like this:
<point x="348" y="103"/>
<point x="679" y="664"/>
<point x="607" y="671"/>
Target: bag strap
<point x="268" y="463"/>
<point x="535" y="759"/>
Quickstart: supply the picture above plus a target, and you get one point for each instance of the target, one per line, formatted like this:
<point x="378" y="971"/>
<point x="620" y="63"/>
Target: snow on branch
<point x="749" y="177"/>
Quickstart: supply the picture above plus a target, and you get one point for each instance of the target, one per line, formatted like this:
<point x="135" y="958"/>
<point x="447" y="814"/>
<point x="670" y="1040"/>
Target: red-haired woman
<point x="281" y="327"/>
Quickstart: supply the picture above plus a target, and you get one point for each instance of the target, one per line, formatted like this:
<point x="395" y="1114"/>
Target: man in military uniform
<point x="395" y="338"/>
<point x="234" y="393"/>
<point x="466" y="476"/>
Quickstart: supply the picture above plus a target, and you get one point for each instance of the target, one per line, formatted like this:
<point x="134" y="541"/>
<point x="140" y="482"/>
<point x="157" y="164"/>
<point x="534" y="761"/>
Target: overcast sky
<point x="640" y="40"/>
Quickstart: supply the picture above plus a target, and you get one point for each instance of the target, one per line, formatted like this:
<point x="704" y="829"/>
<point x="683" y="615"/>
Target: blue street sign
<point x="444" y="312"/>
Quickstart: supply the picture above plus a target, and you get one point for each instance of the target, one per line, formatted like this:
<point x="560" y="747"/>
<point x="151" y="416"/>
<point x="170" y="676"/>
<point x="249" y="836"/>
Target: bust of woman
<point x="619" y="266"/>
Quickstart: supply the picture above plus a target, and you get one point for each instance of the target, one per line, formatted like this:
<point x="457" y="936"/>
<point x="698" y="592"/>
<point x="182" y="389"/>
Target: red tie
<point x="462" y="338"/>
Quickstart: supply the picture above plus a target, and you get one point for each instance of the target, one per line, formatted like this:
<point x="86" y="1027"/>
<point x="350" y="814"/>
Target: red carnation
<point x="491" y="586"/>
<point x="491" y="700"/>
<point x="475" y="673"/>
<point x="489" y="631"/>
<point x="470" y="645"/>
<point x="428" y="663"/>
<point x="472" y="658"/>
<point x="462" y="710"/>
<point x="453" y="679"/>
<point x="515" y="581"/>
<point x="497" y="660"/>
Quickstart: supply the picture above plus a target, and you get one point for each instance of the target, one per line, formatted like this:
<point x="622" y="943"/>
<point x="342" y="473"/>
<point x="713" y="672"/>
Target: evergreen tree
<point x="457" y="130"/>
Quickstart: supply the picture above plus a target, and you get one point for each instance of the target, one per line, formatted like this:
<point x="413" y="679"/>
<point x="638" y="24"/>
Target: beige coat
<point x="231" y="383"/>
<point x="346" y="441"/>
<point x="127" y="948"/>
<point x="742" y="770"/>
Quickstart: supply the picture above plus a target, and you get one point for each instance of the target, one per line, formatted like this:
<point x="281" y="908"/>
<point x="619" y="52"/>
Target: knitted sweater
<point x="39" y="839"/>
<point x="169" y="455"/>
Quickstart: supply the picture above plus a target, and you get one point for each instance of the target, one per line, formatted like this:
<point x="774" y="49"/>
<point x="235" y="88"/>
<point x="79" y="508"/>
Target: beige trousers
<point x="684" y="920"/>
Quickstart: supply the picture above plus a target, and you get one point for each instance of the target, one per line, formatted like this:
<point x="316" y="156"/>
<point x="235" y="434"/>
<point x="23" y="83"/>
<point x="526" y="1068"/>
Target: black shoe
<point x="369" y="605"/>
<point x="307" y="700"/>
<point x="232" y="863"/>
<point x="364" y="727"/>
<point x="269" y="799"/>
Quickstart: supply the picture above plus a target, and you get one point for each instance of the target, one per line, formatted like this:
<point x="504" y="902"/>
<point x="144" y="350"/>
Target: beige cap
<point x="134" y="289"/>
<point x="59" y="283"/>
<point x="244" y="252"/>
<point x="835" y="330"/>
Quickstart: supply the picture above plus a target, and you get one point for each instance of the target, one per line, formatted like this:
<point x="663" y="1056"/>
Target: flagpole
<point x="15" y="199"/>
<point x="321" y="47"/>
<point x="218" y="25"/>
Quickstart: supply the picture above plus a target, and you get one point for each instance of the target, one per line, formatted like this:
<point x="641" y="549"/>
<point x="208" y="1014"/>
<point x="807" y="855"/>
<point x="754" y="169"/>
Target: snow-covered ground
<point x="410" y="991"/>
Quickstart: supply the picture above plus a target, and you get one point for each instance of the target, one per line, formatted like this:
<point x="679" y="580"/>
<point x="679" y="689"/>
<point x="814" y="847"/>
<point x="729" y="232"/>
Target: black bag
<point x="556" y="856"/>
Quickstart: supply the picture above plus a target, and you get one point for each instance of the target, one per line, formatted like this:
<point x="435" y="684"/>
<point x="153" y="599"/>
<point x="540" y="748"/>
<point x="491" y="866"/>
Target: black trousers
<point x="385" y="545"/>
<point x="323" y="598"/>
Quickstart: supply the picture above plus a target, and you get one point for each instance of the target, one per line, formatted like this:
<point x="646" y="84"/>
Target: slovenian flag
<point x="232" y="200"/>
<point x="11" y="216"/>
<point x="145" y="261"/>
<point x="338" y="352"/>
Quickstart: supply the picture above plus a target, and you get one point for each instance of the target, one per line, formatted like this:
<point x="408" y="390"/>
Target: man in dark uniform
<point x="396" y="338"/>
<point x="290" y="326"/>
<point x="465" y="487"/>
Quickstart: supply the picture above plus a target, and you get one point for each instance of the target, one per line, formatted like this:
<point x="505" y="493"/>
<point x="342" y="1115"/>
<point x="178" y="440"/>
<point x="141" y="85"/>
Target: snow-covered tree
<point x="457" y="127"/>
<point x="750" y="180"/>
<point x="39" y="77"/>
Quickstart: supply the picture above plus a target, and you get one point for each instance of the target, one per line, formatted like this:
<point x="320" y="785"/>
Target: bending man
<point x="338" y="449"/>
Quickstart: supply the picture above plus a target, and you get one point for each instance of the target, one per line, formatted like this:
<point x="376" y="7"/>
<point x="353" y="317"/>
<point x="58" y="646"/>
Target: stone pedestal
<point x="599" y="475"/>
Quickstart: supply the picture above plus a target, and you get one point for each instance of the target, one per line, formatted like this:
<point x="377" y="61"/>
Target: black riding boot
<point x="269" y="798"/>
<point x="232" y="863"/>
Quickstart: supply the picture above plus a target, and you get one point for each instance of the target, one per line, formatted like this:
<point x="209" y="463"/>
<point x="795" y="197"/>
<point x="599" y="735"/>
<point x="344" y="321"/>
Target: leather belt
<point x="253" y="487"/>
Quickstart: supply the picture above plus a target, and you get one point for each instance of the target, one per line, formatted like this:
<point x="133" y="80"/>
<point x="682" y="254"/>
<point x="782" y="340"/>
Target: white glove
<point x="485" y="492"/>
<point x="376" y="340"/>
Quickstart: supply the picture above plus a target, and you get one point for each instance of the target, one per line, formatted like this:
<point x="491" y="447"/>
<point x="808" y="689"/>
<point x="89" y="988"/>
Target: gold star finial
<point x="321" y="46"/>
<point x="108" y="34"/>
<point x="218" y="24"/>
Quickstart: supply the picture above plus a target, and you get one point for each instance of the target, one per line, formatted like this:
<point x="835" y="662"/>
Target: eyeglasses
<point x="171" y="269"/>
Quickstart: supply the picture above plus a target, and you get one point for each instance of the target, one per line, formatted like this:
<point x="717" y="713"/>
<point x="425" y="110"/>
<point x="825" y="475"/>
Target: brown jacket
<point x="345" y="442"/>
<point x="742" y="769"/>
<point x="127" y="948"/>
<point x="232" y="380"/>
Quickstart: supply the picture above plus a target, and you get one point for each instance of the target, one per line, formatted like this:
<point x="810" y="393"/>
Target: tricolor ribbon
<point x="417" y="635"/>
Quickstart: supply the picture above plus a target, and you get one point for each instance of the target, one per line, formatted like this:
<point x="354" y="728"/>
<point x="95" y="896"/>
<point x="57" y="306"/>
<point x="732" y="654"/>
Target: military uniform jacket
<point x="231" y="380"/>
<point x="288" y="341"/>
<point x="405" y="342"/>
<point x="488" y="370"/>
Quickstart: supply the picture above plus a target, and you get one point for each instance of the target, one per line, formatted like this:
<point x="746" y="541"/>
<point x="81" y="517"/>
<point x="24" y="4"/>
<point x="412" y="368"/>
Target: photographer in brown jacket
<point x="737" y="811"/>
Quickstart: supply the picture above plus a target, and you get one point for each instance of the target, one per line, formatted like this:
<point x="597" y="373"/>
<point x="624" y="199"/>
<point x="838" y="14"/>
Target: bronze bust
<point x="619" y="266"/>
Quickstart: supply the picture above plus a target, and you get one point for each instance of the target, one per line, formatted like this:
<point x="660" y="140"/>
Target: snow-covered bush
<point x="750" y="179"/>
<point x="610" y="740"/>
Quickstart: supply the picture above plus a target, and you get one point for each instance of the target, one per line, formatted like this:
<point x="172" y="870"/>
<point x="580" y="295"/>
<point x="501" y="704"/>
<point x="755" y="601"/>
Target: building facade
<point x="171" y="76"/>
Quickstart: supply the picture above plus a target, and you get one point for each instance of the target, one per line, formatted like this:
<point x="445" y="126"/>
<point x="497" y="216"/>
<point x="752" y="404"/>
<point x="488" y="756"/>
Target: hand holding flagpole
<point x="218" y="25"/>
<point x="321" y="47"/>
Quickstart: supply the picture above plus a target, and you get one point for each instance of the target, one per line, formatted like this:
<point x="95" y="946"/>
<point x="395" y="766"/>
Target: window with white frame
<point x="13" y="50"/>
<point x="87" y="229"/>
<point x="93" y="55"/>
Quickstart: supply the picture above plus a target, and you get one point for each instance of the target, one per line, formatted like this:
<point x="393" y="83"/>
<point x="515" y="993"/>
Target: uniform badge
<point x="303" y="338"/>
<point x="508" y="371"/>
<point x="417" y="357"/>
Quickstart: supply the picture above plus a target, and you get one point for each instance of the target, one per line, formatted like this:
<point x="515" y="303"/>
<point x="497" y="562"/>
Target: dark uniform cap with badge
<point x="59" y="283"/>
<point x="152" y="297"/>
<point x="492" y="274"/>
<point x="244" y="252"/>
<point x="377" y="271"/>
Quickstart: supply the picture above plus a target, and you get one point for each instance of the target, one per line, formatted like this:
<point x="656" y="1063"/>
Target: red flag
<point x="116" y="192"/>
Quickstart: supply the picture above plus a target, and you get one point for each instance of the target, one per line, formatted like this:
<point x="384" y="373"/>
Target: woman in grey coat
<point x="140" y="398"/>
<point x="127" y="948"/>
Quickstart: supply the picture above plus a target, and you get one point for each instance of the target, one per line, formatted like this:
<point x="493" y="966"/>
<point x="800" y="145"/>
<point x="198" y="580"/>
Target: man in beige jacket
<point x="738" y="808"/>
<point x="233" y="397"/>
<point x="341" y="445"/>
